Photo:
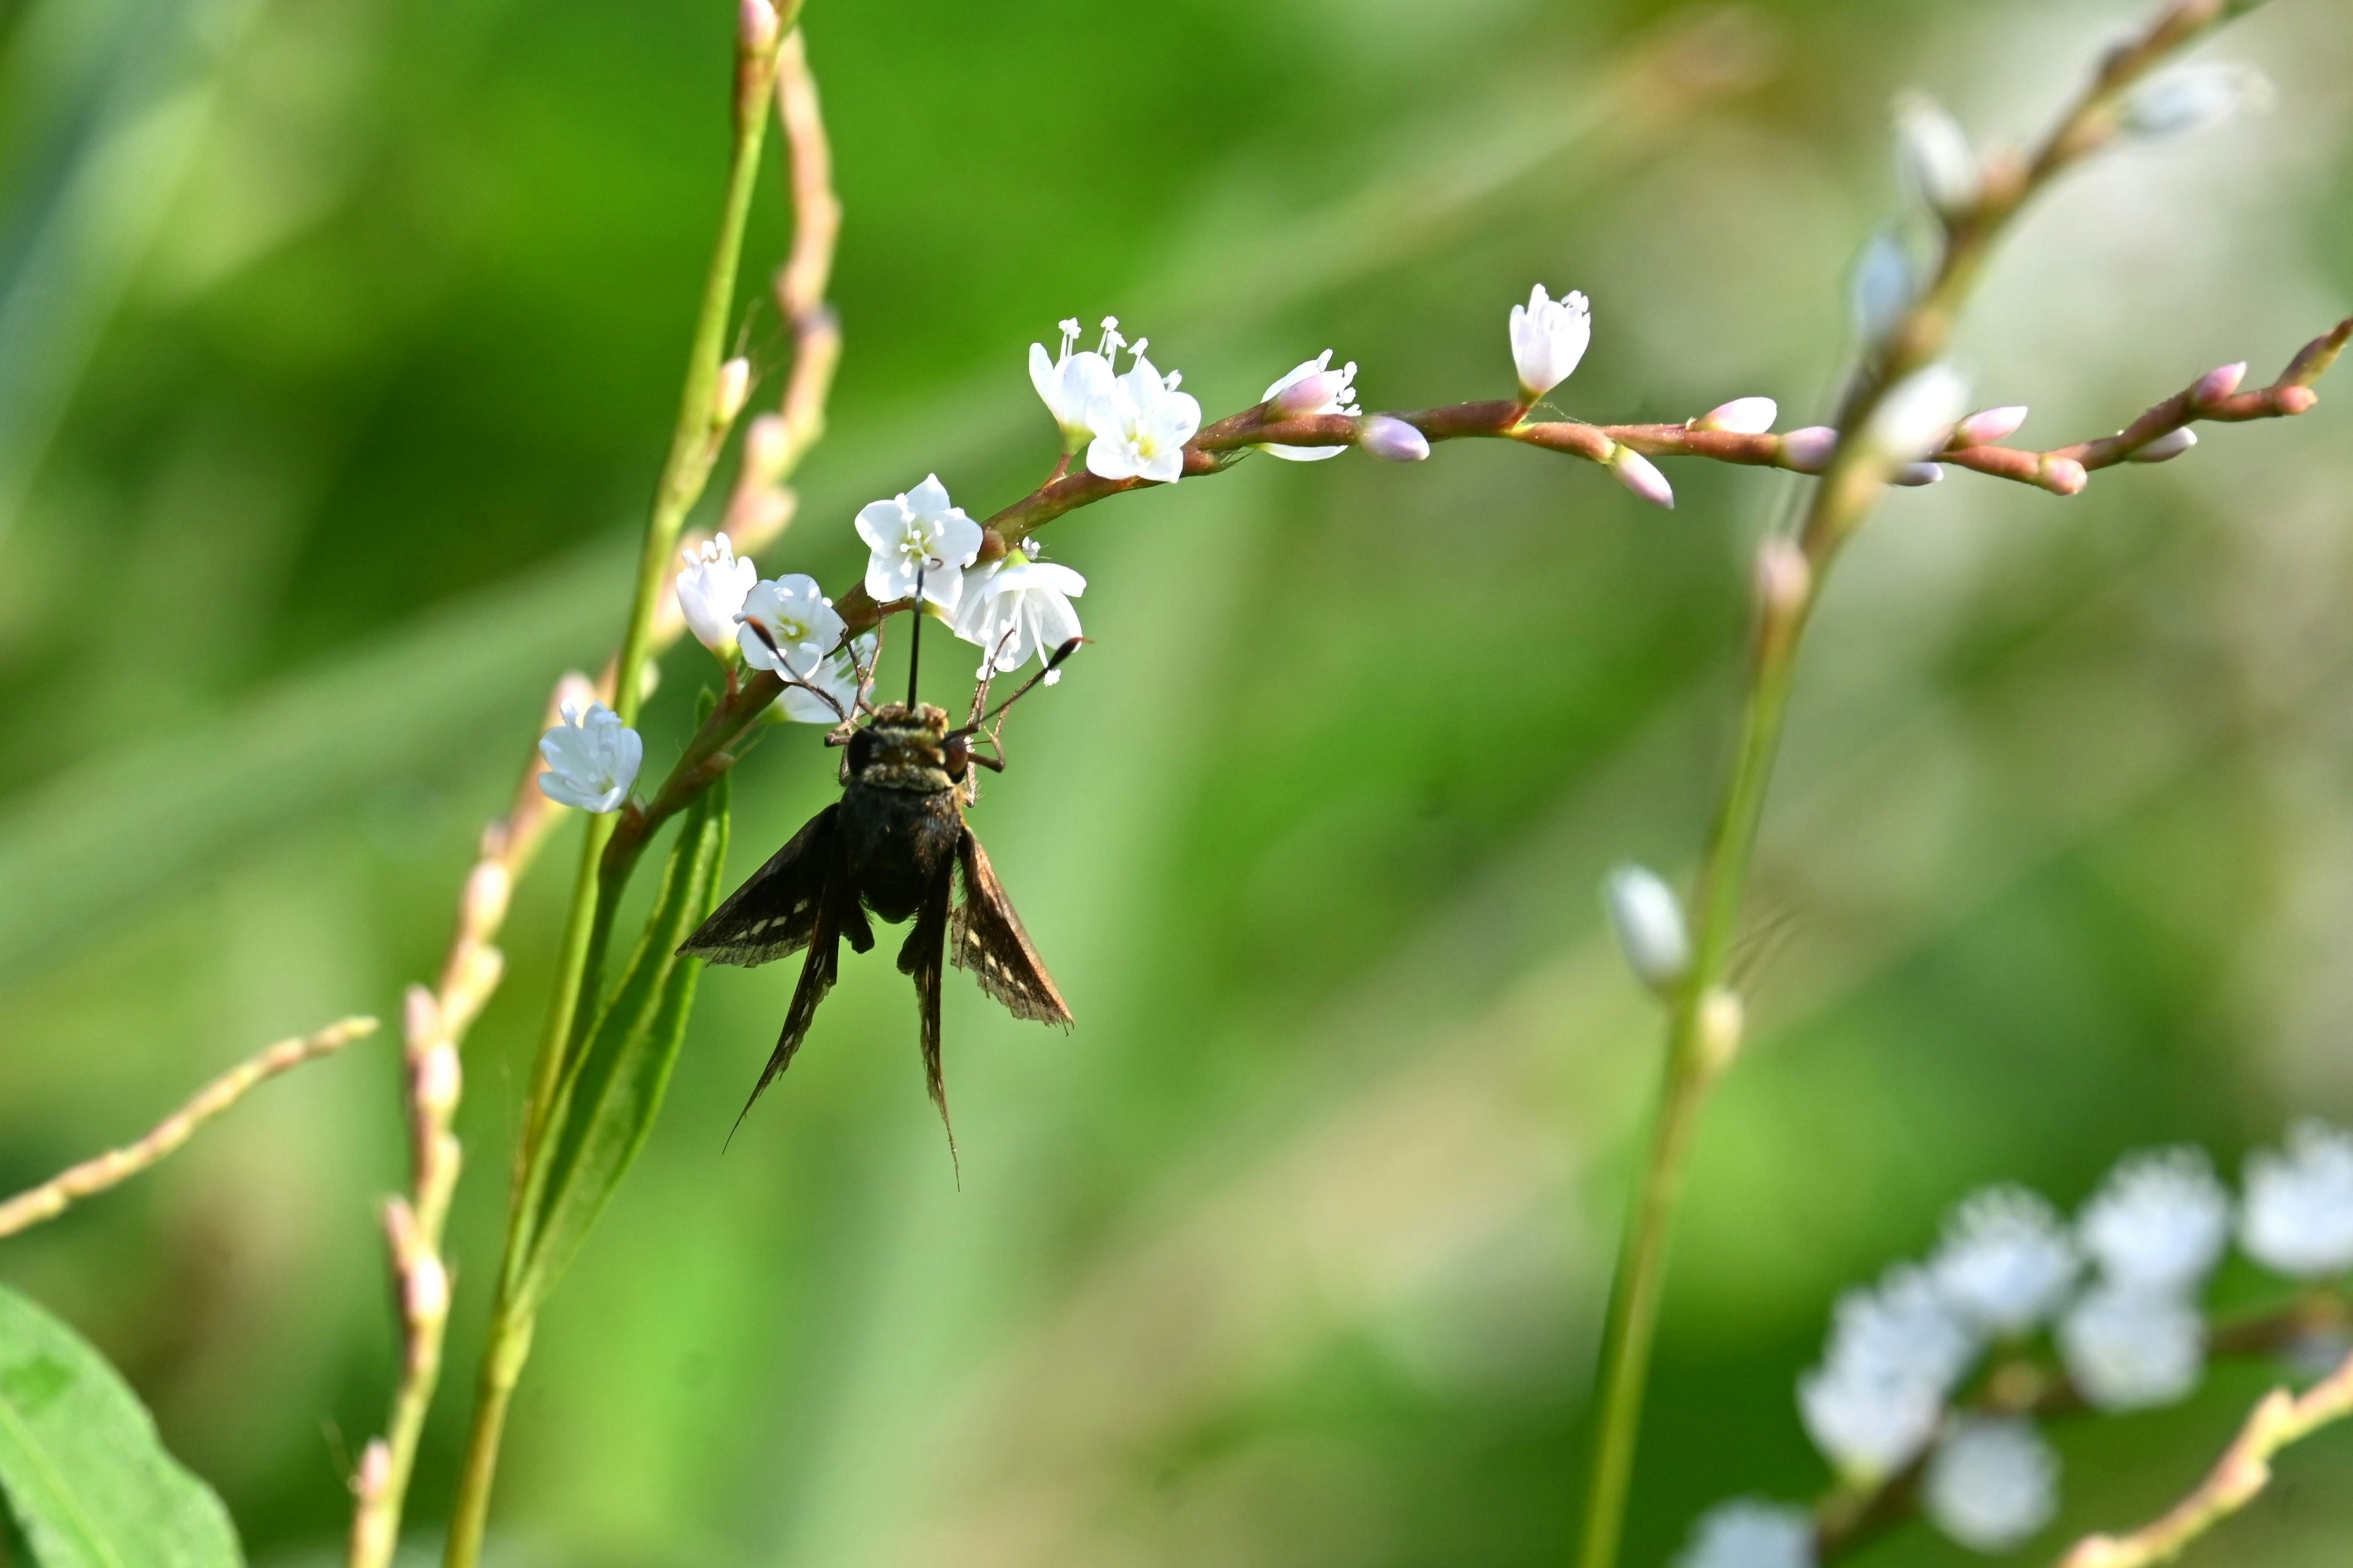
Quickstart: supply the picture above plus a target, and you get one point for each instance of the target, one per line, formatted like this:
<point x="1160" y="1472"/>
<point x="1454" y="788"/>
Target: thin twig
<point x="2243" y="1471"/>
<point x="52" y="1197"/>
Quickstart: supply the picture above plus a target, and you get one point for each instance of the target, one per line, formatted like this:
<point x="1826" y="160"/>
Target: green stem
<point x="694" y="447"/>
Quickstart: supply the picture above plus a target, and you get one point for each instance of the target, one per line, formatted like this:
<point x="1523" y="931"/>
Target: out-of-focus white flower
<point x="919" y="532"/>
<point x="2297" y="1217"/>
<point x="1895" y="1351"/>
<point x="837" y="676"/>
<point x="1016" y="607"/>
<point x="799" y="618"/>
<point x="1987" y="426"/>
<point x="592" y="759"/>
<point x="1749" y="1532"/>
<point x="2193" y="97"/>
<point x="1918" y="413"/>
<point x="1648" y="921"/>
<point x="1883" y="286"/>
<point x="1641" y="476"/>
<point x="1868" y="1422"/>
<point x="1991" y="1483"/>
<point x="1548" y="338"/>
<point x="1932" y="155"/>
<point x="2160" y="1222"/>
<point x="2007" y="1262"/>
<point x="2172" y="444"/>
<point x="2128" y="1349"/>
<point x="710" y="590"/>
<point x="1312" y="388"/>
<point x="1141" y="423"/>
<point x="1069" y="383"/>
<point x="1902" y="1326"/>
<point x="1743" y="415"/>
<point x="1393" y="440"/>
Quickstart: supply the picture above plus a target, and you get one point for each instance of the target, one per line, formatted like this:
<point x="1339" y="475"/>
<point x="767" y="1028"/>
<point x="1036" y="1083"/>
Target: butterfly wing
<point x="988" y="941"/>
<point x="776" y="912"/>
<point x="923" y="956"/>
<point x="832" y="910"/>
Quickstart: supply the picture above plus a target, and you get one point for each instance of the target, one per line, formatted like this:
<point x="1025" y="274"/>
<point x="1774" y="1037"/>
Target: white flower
<point x="1992" y="1483"/>
<point x="799" y="618"/>
<point x="1322" y="390"/>
<point x="837" y="676"/>
<point x="1932" y="155"/>
<point x="2128" y="1349"/>
<point x="1903" y="1328"/>
<point x="1883" y="286"/>
<point x="1548" y="336"/>
<point x="1069" y="382"/>
<point x="2159" y="1223"/>
<point x="2007" y="1262"/>
<point x="2193" y="97"/>
<point x="1141" y="424"/>
<point x="1749" y="1532"/>
<point x="920" y="533"/>
<point x="1918" y="415"/>
<point x="2298" y="1214"/>
<point x="1868" y="1422"/>
<point x="1649" y="921"/>
<point x="1016" y="607"/>
<point x="592" y="759"/>
<point x="710" y="592"/>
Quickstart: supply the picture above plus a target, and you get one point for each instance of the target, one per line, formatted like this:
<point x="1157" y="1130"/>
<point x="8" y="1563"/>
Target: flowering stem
<point x="1850" y="489"/>
<point x="695" y="444"/>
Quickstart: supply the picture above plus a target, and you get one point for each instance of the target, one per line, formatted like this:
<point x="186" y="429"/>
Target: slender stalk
<point x="695" y="443"/>
<point x="1841" y="501"/>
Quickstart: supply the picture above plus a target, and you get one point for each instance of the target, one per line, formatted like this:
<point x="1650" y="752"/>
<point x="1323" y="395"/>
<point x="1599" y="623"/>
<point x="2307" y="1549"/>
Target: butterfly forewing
<point x="988" y="942"/>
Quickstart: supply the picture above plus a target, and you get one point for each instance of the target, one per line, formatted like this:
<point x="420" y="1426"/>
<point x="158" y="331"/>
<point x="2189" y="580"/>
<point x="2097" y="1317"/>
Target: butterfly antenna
<point x="915" y="650"/>
<point x="1053" y="664"/>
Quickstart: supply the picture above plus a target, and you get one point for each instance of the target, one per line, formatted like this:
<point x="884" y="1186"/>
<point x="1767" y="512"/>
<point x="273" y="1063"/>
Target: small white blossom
<point x="1069" y="382"/>
<point x="1548" y="338"/>
<point x="1141" y="423"/>
<point x="1016" y="607"/>
<point x="2194" y="97"/>
<point x="1743" y="415"/>
<point x="1903" y="1327"/>
<point x="1749" y="1532"/>
<point x="1918" y="415"/>
<point x="2298" y="1214"/>
<point x="799" y="620"/>
<point x="1991" y="1483"/>
<point x="592" y="759"/>
<point x="1932" y="155"/>
<point x="1868" y="1422"/>
<point x="2129" y="1350"/>
<point x="837" y="676"/>
<point x="711" y="591"/>
<point x="1320" y="390"/>
<point x="1648" y="921"/>
<point x="921" y="533"/>
<point x="2007" y="1262"/>
<point x="2160" y="1222"/>
<point x="1883" y="286"/>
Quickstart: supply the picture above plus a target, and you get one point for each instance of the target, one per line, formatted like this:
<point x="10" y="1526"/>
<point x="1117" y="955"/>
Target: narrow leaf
<point x="87" y="1481"/>
<point x="613" y="1092"/>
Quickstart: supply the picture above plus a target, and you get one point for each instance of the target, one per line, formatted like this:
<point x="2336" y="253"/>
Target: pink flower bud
<point x="1784" y="578"/>
<point x="376" y="1470"/>
<point x="2064" y="476"/>
<point x="2170" y="445"/>
<point x="755" y="27"/>
<point x="421" y="1017"/>
<point x="1742" y="415"/>
<point x="439" y="1080"/>
<point x="1808" y="450"/>
<point x="1393" y="440"/>
<point x="1917" y="474"/>
<point x="1308" y="395"/>
<point x="728" y="391"/>
<point x="487" y="891"/>
<point x="1641" y="476"/>
<point x="2218" y="384"/>
<point x="424" y="1290"/>
<point x="1988" y="425"/>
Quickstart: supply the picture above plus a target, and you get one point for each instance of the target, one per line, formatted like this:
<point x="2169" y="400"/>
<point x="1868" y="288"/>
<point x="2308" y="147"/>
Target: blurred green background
<point x="339" y="342"/>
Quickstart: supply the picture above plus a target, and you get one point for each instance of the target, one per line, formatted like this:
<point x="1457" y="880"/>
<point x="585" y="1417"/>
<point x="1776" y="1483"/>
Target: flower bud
<point x="2218" y="384"/>
<point x="1641" y="476"/>
<point x="1308" y="395"/>
<point x="487" y="891"/>
<point x="755" y="27"/>
<point x="1649" y="923"/>
<point x="1916" y="416"/>
<point x="1883" y="286"/>
<point x="1784" y="579"/>
<point x="1932" y="155"/>
<point x="375" y="1479"/>
<point x="420" y="1017"/>
<point x="767" y="444"/>
<point x="2192" y="98"/>
<point x="1722" y="1018"/>
<point x="732" y="386"/>
<point x="1742" y="415"/>
<point x="2064" y="476"/>
<point x="1917" y="474"/>
<point x="2166" y="447"/>
<point x="425" y="1289"/>
<point x="1987" y="426"/>
<point x="1393" y="440"/>
<point x="439" y="1080"/>
<point x="1808" y="451"/>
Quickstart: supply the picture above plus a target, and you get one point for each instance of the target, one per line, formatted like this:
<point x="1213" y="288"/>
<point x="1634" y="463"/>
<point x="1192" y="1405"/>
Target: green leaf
<point x="87" y="1480"/>
<point x="613" y="1091"/>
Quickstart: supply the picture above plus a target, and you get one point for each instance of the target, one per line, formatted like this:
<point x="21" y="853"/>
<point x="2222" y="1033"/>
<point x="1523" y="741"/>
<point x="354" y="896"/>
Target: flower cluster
<point x="2118" y="1291"/>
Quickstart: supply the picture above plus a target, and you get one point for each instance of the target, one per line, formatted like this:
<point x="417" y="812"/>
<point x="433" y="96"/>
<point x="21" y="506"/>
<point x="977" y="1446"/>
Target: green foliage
<point x="87" y="1480"/>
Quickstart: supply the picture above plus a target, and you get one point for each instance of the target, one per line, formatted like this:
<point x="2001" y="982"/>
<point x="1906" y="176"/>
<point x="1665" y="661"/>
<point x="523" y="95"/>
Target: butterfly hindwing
<point x="988" y="941"/>
<point x="776" y="912"/>
<point x="923" y="957"/>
